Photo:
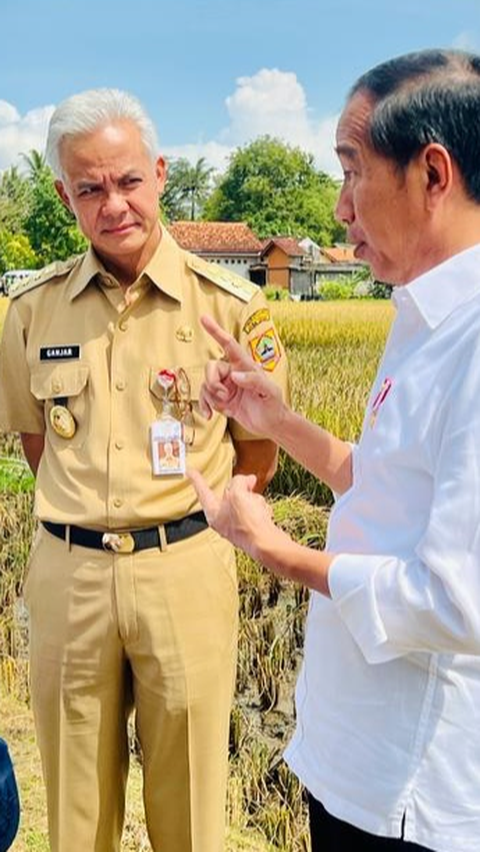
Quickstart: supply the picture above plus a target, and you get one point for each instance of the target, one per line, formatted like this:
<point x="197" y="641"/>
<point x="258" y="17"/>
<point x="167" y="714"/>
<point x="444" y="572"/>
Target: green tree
<point x="187" y="188"/>
<point x="276" y="189"/>
<point x="50" y="226"/>
<point x="15" y="199"/>
<point x="16" y="252"/>
<point x="35" y="163"/>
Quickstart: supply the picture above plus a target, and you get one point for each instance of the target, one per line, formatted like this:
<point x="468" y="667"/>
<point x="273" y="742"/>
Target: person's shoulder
<point x="228" y="281"/>
<point x="58" y="269"/>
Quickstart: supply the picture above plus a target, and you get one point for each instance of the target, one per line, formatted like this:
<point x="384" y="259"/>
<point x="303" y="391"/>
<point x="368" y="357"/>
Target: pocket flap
<point x="62" y="380"/>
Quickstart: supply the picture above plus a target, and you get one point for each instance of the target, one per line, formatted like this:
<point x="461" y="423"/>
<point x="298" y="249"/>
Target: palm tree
<point x="35" y="162"/>
<point x="198" y="184"/>
<point x="187" y="186"/>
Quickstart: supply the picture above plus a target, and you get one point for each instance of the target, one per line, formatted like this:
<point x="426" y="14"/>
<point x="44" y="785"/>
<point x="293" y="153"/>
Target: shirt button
<point x="118" y="502"/>
<point x="120" y="384"/>
<point x="119" y="444"/>
<point x="56" y="386"/>
<point x="123" y="325"/>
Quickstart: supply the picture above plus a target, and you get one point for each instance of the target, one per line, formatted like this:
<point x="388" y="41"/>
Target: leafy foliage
<point x="276" y="189"/>
<point x="381" y="290"/>
<point x="187" y="188"/>
<point x="275" y="294"/>
<point x="50" y="226"/>
<point x="35" y="227"/>
<point x="16" y="252"/>
<point x="15" y="197"/>
<point x="337" y="289"/>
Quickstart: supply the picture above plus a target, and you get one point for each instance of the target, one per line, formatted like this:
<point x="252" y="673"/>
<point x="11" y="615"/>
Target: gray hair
<point x="88" y="111"/>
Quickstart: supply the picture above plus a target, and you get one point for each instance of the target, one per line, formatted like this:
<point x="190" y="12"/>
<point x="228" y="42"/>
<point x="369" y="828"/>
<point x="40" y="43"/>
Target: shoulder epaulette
<point x="229" y="281"/>
<point x="40" y="276"/>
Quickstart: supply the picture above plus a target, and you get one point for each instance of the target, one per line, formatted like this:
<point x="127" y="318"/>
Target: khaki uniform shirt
<point x="71" y="337"/>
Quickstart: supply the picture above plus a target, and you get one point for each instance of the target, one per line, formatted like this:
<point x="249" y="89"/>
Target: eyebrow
<point x="86" y="184"/>
<point x="346" y="151"/>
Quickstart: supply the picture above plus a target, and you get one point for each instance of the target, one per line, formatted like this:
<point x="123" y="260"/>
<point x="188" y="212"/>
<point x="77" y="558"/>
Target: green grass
<point x="15" y="475"/>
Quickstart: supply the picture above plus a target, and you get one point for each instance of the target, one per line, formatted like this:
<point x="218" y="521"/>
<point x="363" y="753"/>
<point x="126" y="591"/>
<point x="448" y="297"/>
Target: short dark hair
<point x="423" y="97"/>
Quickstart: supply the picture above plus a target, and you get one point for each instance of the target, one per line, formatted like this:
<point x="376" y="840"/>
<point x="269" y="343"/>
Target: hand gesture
<point x="239" y="388"/>
<point x="242" y="516"/>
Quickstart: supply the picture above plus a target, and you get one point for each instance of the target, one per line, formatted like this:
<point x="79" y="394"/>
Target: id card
<point x="168" y="447"/>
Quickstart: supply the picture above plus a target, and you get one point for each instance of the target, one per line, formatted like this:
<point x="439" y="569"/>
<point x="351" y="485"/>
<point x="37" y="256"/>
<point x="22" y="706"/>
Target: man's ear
<point x="63" y="194"/>
<point x="161" y="174"/>
<point x="438" y="169"/>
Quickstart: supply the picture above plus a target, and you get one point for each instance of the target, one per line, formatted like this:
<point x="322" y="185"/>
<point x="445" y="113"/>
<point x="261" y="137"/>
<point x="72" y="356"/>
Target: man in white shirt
<point x="388" y="701"/>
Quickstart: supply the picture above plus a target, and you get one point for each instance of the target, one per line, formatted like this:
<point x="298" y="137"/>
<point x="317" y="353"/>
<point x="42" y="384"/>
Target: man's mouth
<point x="359" y="248"/>
<point x="120" y="229"/>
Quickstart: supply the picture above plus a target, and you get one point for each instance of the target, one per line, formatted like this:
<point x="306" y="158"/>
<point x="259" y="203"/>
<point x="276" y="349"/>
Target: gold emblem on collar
<point x="62" y="421"/>
<point x="184" y="333"/>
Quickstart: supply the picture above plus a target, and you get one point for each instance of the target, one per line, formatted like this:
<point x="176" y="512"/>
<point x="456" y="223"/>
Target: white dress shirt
<point x="388" y="699"/>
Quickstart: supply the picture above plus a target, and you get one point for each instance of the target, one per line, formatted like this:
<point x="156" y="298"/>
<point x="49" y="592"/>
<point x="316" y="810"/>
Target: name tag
<point x="59" y="353"/>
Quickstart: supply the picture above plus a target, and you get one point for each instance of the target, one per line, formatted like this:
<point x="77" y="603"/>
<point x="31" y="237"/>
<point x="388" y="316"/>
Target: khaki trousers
<point x="154" y="630"/>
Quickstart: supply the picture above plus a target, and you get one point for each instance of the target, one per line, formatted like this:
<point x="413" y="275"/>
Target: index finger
<point x="230" y="346"/>
<point x="208" y="499"/>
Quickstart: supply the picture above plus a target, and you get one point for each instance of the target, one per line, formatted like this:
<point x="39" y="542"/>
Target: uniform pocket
<point x="184" y="397"/>
<point x="65" y="385"/>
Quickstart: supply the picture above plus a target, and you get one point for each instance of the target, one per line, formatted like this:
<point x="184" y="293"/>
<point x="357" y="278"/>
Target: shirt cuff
<point x="351" y="584"/>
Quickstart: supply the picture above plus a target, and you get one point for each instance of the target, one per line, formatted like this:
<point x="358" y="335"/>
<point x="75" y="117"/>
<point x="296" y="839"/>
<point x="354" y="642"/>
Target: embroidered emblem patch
<point x="265" y="349"/>
<point x="262" y="315"/>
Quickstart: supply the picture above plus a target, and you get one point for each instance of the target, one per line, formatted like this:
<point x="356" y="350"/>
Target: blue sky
<point x="213" y="74"/>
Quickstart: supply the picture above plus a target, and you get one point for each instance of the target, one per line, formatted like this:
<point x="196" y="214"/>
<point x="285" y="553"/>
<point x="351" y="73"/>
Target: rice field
<point x="333" y="350"/>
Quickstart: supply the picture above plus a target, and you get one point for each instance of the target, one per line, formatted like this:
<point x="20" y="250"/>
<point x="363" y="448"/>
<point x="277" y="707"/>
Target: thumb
<point x="251" y="481"/>
<point x="242" y="482"/>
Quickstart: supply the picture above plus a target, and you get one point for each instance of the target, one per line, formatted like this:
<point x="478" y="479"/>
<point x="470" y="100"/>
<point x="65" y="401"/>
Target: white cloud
<point x="270" y="102"/>
<point x="20" y="134"/>
<point x="8" y="113"/>
<point x="467" y="40"/>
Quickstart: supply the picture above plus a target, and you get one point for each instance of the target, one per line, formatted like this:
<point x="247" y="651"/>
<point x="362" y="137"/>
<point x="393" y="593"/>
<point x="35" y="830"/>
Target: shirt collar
<point x="88" y="267"/>
<point x="438" y="292"/>
<point x="165" y="269"/>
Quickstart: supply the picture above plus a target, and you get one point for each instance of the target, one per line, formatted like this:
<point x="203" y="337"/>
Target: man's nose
<point x="114" y="203"/>
<point x="344" y="212"/>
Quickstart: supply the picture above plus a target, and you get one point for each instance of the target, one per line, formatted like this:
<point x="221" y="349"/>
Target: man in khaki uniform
<point x="132" y="598"/>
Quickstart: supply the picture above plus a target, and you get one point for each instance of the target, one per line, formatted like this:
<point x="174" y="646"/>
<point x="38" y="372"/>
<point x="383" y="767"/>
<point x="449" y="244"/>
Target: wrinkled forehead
<point x="354" y="123"/>
<point x="115" y="147"/>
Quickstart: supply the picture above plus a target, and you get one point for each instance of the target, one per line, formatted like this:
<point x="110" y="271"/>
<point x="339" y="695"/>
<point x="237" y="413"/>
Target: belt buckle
<point x="121" y="542"/>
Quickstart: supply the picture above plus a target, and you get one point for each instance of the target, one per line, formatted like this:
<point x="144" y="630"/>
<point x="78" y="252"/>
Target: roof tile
<point x="221" y="237"/>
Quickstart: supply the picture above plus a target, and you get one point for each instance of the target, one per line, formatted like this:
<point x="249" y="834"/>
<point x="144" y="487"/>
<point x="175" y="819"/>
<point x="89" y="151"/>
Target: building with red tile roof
<point x="288" y="265"/>
<point x="233" y="245"/>
<point x="298" y="266"/>
<point x="339" y="254"/>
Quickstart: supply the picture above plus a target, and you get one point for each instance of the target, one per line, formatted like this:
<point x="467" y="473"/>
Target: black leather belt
<point x="126" y="541"/>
